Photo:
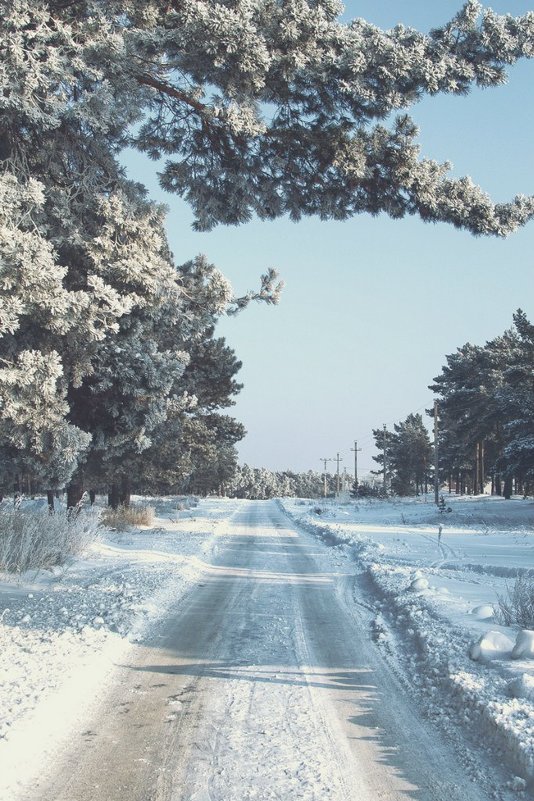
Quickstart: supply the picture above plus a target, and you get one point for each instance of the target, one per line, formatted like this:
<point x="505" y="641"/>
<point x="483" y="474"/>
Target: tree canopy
<point x="265" y="107"/>
<point x="486" y="411"/>
<point x="256" y="107"/>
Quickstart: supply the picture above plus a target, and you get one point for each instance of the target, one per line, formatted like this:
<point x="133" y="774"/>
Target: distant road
<point x="262" y="683"/>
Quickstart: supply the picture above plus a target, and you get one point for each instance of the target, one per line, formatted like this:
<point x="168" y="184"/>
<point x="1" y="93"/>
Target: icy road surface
<point x="261" y="684"/>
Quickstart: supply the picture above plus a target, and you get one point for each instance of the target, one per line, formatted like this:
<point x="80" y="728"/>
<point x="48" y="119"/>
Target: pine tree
<point x="486" y="411"/>
<point x="259" y="109"/>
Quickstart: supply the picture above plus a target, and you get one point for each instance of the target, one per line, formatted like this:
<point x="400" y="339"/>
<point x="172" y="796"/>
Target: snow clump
<point x="522" y="687"/>
<point x="483" y="612"/>
<point x="524" y="645"/>
<point x="419" y="584"/>
<point x="491" y="645"/>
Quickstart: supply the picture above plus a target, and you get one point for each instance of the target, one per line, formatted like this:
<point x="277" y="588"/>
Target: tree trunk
<point x="74" y="493"/>
<point x="508" y="486"/>
<point x="92" y="497"/>
<point x="50" y="499"/>
<point x="113" y="496"/>
<point x="498" y="485"/>
<point x="125" y="491"/>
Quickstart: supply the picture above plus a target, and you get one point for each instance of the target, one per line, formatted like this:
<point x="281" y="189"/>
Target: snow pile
<point x="522" y="687"/>
<point x="483" y="612"/>
<point x="491" y="645"/>
<point x="419" y="584"/>
<point x="524" y="645"/>
<point x="435" y="598"/>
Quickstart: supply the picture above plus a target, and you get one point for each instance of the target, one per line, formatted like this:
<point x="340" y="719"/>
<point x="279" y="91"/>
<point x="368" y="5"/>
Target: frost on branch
<point x="32" y="418"/>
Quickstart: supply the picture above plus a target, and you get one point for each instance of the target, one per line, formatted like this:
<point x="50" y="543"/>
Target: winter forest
<point x="112" y="378"/>
<point x="175" y="624"/>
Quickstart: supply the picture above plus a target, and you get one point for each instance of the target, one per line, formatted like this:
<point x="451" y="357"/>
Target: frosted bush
<point x="516" y="608"/>
<point x="35" y="539"/>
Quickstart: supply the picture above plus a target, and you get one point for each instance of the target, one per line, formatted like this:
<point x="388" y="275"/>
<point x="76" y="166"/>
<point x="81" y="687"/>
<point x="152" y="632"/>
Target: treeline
<point x="485" y="404"/>
<point x="112" y="379"/>
<point x="486" y="413"/>
<point x="260" y="484"/>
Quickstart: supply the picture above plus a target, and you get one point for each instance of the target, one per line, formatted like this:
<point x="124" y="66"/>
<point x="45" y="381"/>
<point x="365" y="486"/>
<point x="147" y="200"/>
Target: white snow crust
<point x="433" y="605"/>
<point x="436" y="600"/>
<point x="62" y="632"/>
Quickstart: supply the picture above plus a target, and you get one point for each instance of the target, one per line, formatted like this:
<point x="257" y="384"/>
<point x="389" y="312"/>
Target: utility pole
<point x="338" y="459"/>
<point x="324" y="461"/>
<point x="436" y="455"/>
<point x="356" y="451"/>
<point x="384" y="446"/>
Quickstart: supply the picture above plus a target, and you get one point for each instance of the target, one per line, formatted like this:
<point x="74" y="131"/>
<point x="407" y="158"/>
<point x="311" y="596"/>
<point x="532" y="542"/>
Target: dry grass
<point x="125" y="517"/>
<point x="35" y="539"/>
<point x="516" y="608"/>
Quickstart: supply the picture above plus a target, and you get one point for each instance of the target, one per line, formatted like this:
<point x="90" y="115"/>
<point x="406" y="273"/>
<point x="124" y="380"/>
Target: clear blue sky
<point x="371" y="306"/>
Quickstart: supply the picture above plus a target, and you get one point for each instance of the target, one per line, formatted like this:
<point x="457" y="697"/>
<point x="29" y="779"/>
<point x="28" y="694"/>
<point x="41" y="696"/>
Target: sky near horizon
<point x="372" y="305"/>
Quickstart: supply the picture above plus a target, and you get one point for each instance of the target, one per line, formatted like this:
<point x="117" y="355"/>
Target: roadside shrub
<point x="126" y="516"/>
<point x="516" y="608"/>
<point x="35" y="539"/>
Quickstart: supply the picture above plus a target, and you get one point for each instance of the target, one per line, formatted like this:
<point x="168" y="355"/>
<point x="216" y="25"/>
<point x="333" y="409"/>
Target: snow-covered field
<point x="62" y="632"/>
<point x="434" y="599"/>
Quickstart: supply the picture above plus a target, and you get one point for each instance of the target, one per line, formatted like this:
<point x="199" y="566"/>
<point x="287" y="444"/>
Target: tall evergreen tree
<point x="486" y="411"/>
<point x="259" y="108"/>
<point x="408" y="455"/>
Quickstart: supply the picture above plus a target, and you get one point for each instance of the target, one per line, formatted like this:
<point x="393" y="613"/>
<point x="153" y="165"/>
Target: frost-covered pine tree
<point x="258" y="107"/>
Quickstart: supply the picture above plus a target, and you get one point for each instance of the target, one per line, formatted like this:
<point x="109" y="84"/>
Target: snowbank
<point x="62" y="632"/>
<point x="434" y="600"/>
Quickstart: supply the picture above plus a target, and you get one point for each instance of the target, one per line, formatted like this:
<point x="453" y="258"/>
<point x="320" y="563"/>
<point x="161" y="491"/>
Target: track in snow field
<point x="262" y="684"/>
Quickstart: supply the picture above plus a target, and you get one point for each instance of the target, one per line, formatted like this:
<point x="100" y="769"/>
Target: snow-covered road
<point x="262" y="683"/>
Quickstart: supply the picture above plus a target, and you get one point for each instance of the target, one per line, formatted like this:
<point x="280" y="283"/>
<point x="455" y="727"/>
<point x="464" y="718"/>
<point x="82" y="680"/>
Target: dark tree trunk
<point x="125" y="491"/>
<point x="74" y="493"/>
<point x="92" y="497"/>
<point x="50" y="499"/>
<point x="113" y="496"/>
<point x="498" y="485"/>
<point x="508" y="486"/>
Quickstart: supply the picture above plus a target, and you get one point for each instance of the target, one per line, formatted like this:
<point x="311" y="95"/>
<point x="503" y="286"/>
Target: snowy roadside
<point x="62" y="633"/>
<point x="434" y="600"/>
